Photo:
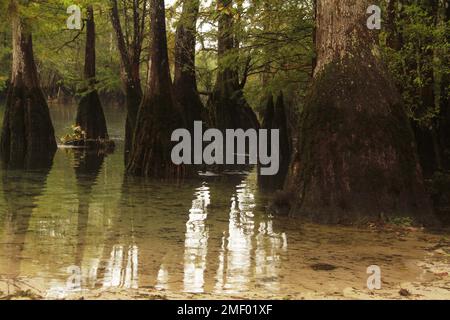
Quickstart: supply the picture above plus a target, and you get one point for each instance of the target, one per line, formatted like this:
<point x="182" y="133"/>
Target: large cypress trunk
<point x="90" y="116"/>
<point x="227" y="104"/>
<point x="27" y="137"/>
<point x="158" y="116"/>
<point x="357" y="154"/>
<point x="185" y="81"/>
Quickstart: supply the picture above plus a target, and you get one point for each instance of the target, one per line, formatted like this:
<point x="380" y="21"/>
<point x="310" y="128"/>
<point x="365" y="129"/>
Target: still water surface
<point x="207" y="236"/>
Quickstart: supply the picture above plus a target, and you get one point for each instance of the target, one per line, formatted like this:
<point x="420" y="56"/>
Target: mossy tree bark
<point x="158" y="115"/>
<point x="227" y="104"/>
<point x="130" y="49"/>
<point x="185" y="80"/>
<point x="357" y="155"/>
<point x="90" y="116"/>
<point x="27" y="138"/>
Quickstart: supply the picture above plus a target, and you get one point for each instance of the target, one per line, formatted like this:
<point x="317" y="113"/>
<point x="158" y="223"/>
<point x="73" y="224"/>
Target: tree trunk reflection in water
<point x="21" y="189"/>
<point x="87" y="165"/>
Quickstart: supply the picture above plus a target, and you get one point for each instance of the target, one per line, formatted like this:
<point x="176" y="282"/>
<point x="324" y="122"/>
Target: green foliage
<point x="422" y="60"/>
<point x="77" y="134"/>
<point x="274" y="49"/>
<point x="59" y="52"/>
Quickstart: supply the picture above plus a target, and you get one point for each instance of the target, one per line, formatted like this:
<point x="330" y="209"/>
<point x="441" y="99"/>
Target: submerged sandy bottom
<point x="323" y="263"/>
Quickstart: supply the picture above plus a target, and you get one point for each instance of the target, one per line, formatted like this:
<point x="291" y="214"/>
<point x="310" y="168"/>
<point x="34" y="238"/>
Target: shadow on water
<point x="21" y="189"/>
<point x="87" y="165"/>
<point x="143" y="233"/>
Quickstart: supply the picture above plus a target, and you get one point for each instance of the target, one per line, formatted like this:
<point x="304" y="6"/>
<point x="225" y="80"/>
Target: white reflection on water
<point x="243" y="256"/>
<point x="196" y="242"/>
<point x="162" y="278"/>
<point x="227" y="249"/>
<point x="122" y="268"/>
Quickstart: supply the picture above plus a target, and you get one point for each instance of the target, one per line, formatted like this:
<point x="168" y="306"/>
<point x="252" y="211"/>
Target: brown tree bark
<point x="27" y="137"/>
<point x="158" y="116"/>
<point x="130" y="55"/>
<point x="357" y="155"/>
<point x="185" y="80"/>
<point x="227" y="104"/>
<point x="90" y="116"/>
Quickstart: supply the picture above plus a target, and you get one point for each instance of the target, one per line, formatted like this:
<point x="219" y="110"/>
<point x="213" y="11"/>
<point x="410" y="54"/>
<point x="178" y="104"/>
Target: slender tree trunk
<point x="130" y="57"/>
<point x="227" y="104"/>
<point x="356" y="147"/>
<point x="27" y="137"/>
<point x="90" y="116"/>
<point x="158" y="116"/>
<point x="185" y="81"/>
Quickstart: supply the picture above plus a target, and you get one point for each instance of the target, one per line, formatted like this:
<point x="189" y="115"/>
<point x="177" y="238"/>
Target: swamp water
<point x="81" y="229"/>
